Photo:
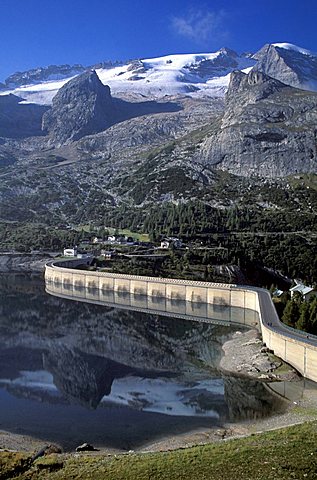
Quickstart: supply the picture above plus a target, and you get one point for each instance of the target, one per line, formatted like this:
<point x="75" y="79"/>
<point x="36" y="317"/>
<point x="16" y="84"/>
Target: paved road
<point x="271" y="320"/>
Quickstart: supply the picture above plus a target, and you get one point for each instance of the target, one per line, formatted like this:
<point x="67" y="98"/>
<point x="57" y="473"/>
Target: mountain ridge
<point x="153" y="77"/>
<point x="101" y="148"/>
<point x="204" y="74"/>
<point x="288" y="63"/>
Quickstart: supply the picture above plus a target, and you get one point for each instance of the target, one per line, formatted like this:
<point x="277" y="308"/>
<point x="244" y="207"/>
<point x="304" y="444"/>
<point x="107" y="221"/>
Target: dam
<point x="196" y="300"/>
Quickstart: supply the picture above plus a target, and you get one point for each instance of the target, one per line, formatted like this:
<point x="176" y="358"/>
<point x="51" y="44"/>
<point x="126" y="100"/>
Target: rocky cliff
<point x="268" y="128"/>
<point x="171" y="148"/>
<point x="81" y="107"/>
<point x="289" y="64"/>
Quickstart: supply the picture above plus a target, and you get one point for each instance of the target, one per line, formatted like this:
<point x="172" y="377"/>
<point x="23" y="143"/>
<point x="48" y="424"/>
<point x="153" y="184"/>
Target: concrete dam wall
<point x="293" y="346"/>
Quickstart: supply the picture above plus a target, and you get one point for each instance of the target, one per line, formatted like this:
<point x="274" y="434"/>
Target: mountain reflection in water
<point x="73" y="372"/>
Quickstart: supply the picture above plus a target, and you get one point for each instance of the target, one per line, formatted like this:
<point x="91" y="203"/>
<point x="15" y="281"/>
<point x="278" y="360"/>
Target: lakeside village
<point x="94" y="246"/>
<point x="295" y="302"/>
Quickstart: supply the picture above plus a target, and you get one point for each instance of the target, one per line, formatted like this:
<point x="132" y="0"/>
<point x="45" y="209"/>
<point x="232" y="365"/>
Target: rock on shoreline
<point x="246" y="355"/>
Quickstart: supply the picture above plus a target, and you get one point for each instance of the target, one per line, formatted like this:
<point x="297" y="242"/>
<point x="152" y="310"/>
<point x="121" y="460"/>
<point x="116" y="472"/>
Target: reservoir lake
<point x="74" y="372"/>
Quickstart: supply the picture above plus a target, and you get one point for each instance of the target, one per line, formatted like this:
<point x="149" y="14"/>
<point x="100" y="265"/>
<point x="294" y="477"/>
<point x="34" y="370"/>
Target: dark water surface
<point x="74" y="372"/>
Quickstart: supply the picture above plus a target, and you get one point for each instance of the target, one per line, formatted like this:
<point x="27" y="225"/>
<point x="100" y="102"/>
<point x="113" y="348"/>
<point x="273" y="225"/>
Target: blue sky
<point x="42" y="32"/>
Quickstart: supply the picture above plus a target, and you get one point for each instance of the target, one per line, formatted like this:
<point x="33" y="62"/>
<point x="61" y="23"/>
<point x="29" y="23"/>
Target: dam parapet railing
<point x="294" y="347"/>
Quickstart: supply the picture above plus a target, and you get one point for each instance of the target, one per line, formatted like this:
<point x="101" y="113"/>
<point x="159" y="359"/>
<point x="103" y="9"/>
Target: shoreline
<point x="23" y="262"/>
<point x="299" y="409"/>
<point x="305" y="410"/>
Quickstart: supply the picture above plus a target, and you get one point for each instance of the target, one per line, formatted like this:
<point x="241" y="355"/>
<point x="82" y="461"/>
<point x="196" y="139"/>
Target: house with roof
<point x="171" y="242"/>
<point x="107" y="254"/>
<point x="304" y="290"/>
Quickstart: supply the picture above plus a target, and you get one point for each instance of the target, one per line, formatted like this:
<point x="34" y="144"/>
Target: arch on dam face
<point x="291" y="345"/>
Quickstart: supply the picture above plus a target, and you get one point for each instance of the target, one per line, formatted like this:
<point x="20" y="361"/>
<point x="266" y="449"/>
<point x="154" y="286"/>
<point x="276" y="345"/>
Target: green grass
<point x="141" y="237"/>
<point x="304" y="180"/>
<point x="289" y="453"/>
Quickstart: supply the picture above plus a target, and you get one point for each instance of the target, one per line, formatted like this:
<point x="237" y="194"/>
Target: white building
<point x="307" y="292"/>
<point x="170" y="242"/>
<point x="70" y="252"/>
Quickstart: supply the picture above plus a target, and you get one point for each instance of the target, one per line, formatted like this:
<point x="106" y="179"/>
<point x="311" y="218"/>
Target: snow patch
<point x="152" y="77"/>
<point x="40" y="94"/>
<point x="295" y="48"/>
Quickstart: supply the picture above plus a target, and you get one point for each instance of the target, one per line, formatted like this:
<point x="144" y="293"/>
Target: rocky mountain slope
<point x="114" y="145"/>
<point x="267" y="129"/>
<point x="81" y="107"/>
<point x="290" y="64"/>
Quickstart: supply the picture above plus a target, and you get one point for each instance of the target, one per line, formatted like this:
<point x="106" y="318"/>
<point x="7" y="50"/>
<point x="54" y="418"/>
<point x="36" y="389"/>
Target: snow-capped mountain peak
<point x="203" y="74"/>
<point x="196" y="75"/>
<point x="288" y="63"/>
<point x="42" y="74"/>
<point x="294" y="48"/>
